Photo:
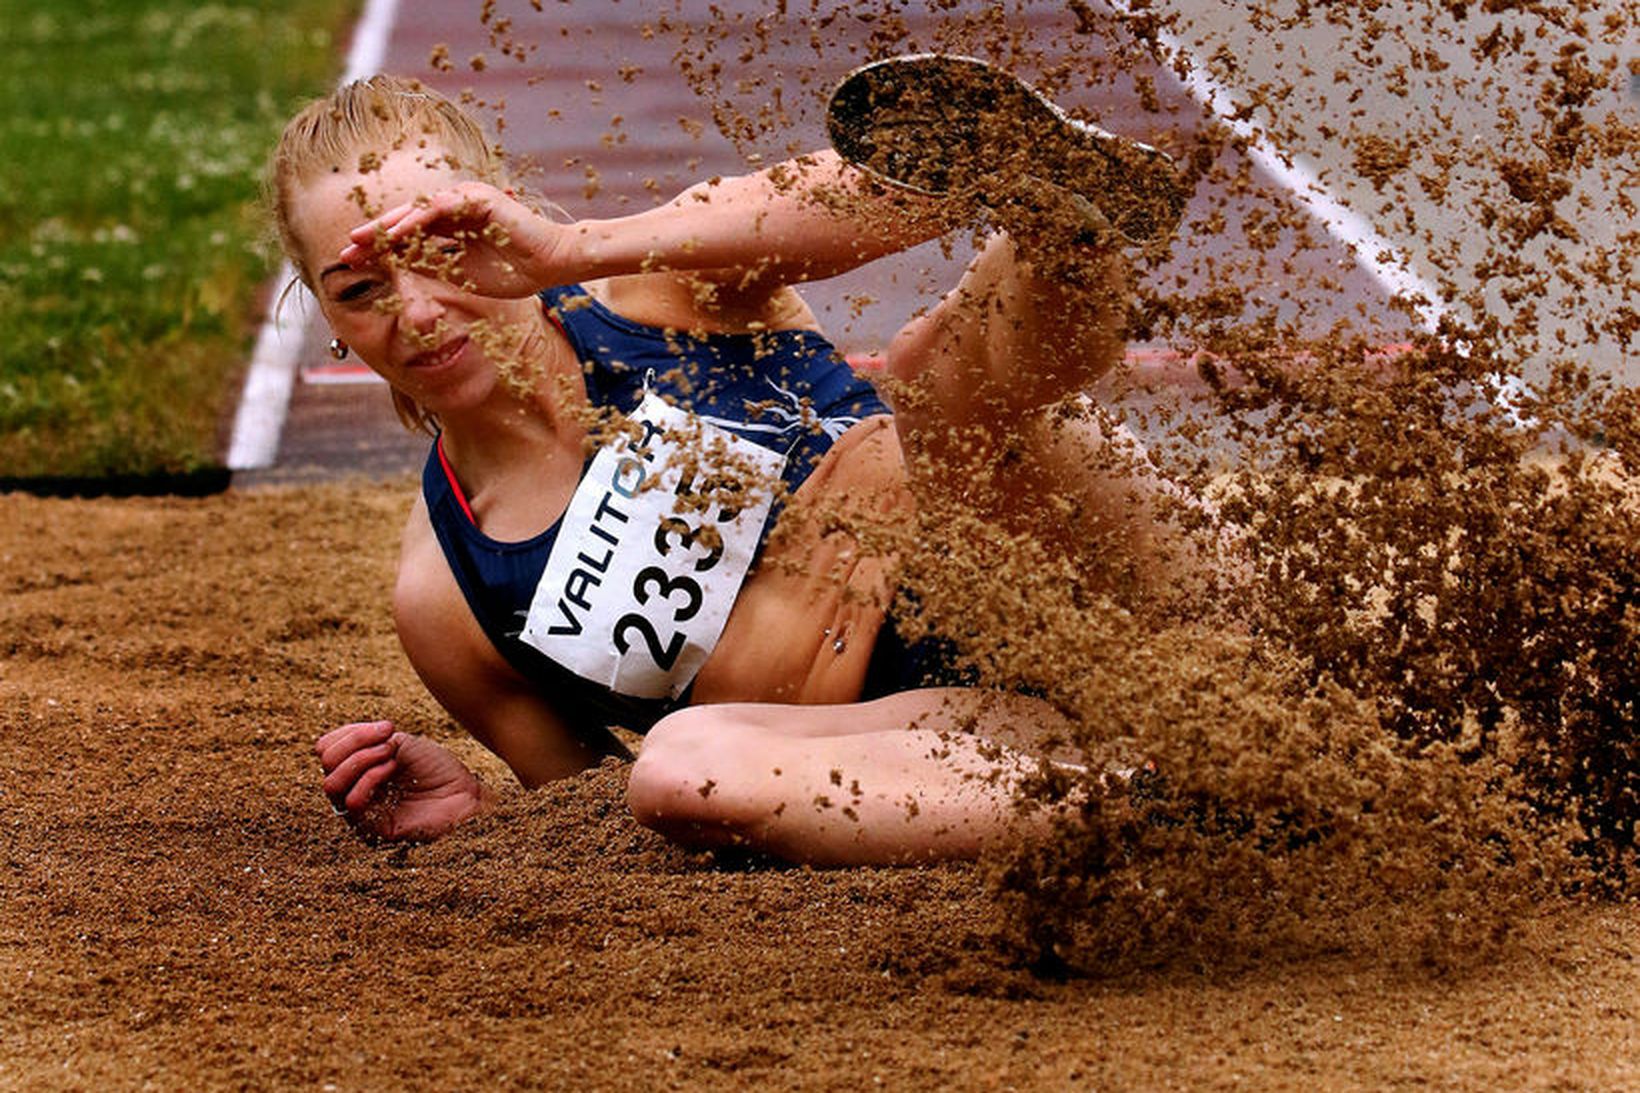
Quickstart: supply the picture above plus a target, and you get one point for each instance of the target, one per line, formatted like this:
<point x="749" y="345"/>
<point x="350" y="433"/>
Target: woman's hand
<point x="473" y="235"/>
<point x="396" y="787"/>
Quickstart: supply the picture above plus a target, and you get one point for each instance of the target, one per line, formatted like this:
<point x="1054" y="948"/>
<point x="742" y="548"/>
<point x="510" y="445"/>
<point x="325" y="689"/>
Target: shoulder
<point x="420" y="558"/>
<point x="434" y="623"/>
<point x="428" y="606"/>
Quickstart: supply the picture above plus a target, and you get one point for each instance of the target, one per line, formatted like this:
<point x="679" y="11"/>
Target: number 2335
<point x="682" y="593"/>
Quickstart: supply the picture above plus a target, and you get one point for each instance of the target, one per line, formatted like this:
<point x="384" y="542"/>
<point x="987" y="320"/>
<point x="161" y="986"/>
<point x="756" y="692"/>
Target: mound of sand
<point x="182" y="909"/>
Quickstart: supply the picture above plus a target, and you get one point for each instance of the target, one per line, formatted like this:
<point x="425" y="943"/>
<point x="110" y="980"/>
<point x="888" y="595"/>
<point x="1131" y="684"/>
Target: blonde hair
<point x="372" y="116"/>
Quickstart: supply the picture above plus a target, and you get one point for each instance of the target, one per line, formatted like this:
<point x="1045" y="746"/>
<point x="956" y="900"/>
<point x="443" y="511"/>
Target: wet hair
<point x="372" y="117"/>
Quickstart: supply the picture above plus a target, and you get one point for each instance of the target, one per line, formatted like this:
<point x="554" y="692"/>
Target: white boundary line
<point x="1373" y="253"/>
<point x="1376" y="255"/>
<point x="265" y="398"/>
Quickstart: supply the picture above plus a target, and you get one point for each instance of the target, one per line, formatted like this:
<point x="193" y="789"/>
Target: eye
<point x="357" y="290"/>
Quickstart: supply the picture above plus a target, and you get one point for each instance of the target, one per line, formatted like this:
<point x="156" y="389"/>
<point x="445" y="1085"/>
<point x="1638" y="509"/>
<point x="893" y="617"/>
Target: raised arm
<point x="805" y="219"/>
<point x="802" y="220"/>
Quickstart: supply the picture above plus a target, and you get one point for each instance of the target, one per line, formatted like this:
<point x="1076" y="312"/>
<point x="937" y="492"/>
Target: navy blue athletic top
<point x="786" y="390"/>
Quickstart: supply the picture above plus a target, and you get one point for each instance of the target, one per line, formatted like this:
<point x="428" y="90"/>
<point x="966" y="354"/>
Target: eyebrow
<point x="336" y="267"/>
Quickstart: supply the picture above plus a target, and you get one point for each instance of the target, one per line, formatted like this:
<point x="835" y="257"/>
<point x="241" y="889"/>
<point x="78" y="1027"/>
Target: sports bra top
<point x="787" y="391"/>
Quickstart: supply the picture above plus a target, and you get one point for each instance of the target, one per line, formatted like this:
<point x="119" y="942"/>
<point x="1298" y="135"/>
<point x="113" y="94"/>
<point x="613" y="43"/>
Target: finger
<point x="347" y="769"/>
<point x="355" y="254"/>
<point x="337" y="744"/>
<point x="338" y="790"/>
<point x="337" y="782"/>
<point x="385" y="235"/>
<point x="409" y="219"/>
<point x="462" y="205"/>
<point x="412" y="220"/>
<point x="352" y="728"/>
<point x="374" y="237"/>
<point x="364" y="790"/>
<point x="377" y="226"/>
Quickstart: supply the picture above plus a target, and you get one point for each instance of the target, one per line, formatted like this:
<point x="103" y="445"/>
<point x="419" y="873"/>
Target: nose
<point x="421" y="303"/>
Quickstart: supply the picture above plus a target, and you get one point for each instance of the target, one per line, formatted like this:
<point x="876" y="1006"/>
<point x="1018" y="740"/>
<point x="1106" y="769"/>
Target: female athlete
<point x="657" y="498"/>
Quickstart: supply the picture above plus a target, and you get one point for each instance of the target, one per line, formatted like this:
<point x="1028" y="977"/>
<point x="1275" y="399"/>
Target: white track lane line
<point x="1375" y="254"/>
<point x="265" y="398"/>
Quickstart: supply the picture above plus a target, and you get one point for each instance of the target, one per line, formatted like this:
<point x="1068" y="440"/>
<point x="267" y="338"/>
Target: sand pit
<point x="182" y="909"/>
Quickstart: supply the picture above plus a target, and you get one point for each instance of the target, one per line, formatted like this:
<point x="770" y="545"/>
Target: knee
<point x="672" y="758"/>
<point x="911" y="353"/>
<point x="684" y="783"/>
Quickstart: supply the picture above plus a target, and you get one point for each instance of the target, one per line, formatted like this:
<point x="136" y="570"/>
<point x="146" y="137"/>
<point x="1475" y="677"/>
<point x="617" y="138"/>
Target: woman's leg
<point x="916" y="776"/>
<point x="991" y="406"/>
<point x="1007" y="341"/>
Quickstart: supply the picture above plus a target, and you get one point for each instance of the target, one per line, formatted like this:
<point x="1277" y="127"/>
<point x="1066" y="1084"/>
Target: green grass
<point x="132" y="135"/>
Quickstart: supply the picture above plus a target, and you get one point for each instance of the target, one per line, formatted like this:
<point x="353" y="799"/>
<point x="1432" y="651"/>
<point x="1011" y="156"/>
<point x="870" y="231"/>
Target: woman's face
<point x="425" y="336"/>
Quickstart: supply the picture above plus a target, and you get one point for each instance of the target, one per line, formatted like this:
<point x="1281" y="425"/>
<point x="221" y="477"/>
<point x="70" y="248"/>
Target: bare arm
<point x="808" y="218"/>
<point x="802" y="220"/>
<point x="455" y="659"/>
<point x="393" y="785"/>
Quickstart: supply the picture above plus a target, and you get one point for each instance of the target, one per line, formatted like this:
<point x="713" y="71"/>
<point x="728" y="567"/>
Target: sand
<point x="182" y="910"/>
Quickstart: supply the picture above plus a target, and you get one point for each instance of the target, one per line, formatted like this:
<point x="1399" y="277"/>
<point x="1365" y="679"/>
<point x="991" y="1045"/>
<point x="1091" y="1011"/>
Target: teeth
<point x="442" y="355"/>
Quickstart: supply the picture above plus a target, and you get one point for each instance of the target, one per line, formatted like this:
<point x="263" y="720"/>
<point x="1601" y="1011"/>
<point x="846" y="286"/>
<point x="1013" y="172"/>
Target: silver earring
<point x="338" y="349"/>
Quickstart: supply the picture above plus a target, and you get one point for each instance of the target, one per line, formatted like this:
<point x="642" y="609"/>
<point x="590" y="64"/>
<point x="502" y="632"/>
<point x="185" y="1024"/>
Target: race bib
<point x="641" y="578"/>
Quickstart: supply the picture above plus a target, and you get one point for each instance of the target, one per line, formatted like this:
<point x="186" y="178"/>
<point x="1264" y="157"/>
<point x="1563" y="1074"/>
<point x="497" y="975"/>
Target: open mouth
<point x="441" y="357"/>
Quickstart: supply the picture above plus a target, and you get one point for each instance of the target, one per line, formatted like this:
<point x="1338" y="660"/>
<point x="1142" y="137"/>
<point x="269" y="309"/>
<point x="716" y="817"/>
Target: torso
<point x="806" y="621"/>
<point x="803" y="626"/>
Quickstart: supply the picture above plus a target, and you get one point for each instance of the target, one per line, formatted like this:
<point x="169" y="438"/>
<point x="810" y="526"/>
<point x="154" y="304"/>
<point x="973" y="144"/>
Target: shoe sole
<point x="942" y="124"/>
